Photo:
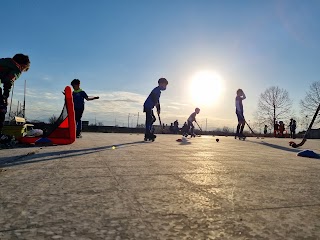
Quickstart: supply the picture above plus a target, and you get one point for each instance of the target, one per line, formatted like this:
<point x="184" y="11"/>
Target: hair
<point x="162" y="80"/>
<point x="21" y="59"/>
<point x="197" y="109"/>
<point x="239" y="91"/>
<point x="75" y="82"/>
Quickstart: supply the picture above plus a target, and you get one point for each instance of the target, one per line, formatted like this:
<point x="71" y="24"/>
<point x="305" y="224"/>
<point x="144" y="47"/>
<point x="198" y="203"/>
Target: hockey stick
<point x="160" y="123"/>
<point x="293" y="144"/>
<point x="199" y="127"/>
<point x="251" y="129"/>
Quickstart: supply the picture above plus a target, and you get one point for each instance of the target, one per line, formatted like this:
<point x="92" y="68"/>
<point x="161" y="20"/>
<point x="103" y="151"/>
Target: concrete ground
<point x="253" y="189"/>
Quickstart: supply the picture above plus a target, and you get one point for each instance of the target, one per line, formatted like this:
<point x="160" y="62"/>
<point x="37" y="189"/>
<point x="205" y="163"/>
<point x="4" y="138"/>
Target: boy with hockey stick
<point x="191" y="119"/>
<point x="152" y="101"/>
<point x="239" y="111"/>
<point x="10" y="70"/>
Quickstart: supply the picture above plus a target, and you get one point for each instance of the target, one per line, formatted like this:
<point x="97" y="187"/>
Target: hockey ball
<point x="113" y="147"/>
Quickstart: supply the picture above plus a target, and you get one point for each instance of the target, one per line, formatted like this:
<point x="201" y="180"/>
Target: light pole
<point x="306" y="122"/>
<point x="138" y="120"/>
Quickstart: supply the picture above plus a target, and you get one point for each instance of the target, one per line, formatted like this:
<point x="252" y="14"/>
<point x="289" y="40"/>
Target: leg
<point x="149" y="121"/>
<point x="241" y="128"/>
<point x="191" y="129"/>
<point x="78" y="116"/>
<point x="3" y="111"/>
<point x="241" y="123"/>
<point x="238" y="130"/>
<point x="2" y="118"/>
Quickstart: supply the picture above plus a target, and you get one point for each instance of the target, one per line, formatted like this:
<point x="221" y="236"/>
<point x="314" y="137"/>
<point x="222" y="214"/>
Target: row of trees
<point x="275" y="104"/>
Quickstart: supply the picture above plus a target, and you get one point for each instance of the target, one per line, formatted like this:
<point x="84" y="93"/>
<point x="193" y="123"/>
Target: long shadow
<point x="277" y="146"/>
<point x="33" y="157"/>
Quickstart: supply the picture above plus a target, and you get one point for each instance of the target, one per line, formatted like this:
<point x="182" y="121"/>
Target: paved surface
<point x="254" y="189"/>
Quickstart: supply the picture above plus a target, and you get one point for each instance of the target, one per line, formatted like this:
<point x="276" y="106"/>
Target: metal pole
<point x="24" y="100"/>
<point x="128" y="119"/>
<point x="138" y="120"/>
<point x="206" y="123"/>
<point x="11" y="103"/>
<point x="17" y="109"/>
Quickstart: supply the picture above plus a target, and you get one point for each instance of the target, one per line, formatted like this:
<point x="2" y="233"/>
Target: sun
<point x="206" y="88"/>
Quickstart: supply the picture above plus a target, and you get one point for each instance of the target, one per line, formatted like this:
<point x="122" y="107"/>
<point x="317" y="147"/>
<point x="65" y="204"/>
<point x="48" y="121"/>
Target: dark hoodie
<point x="9" y="72"/>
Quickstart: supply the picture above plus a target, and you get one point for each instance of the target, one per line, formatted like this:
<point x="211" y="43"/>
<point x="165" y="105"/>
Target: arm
<point x="156" y="99"/>
<point x="8" y="81"/>
<point x="91" y="98"/>
<point x="85" y="96"/>
<point x="243" y="96"/>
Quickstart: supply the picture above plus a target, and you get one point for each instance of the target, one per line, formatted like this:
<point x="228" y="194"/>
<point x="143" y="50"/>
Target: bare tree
<point x="274" y="103"/>
<point x="52" y="119"/>
<point x="311" y="101"/>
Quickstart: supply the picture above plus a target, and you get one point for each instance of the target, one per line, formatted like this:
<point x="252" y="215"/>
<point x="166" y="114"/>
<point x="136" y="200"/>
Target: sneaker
<point x="241" y="136"/>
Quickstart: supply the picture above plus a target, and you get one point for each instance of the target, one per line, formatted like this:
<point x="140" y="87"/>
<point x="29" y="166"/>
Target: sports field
<point x="116" y="186"/>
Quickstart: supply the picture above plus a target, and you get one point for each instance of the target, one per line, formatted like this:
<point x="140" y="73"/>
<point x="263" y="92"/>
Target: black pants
<point x="78" y="115"/>
<point x="3" y="110"/>
<point x="150" y="119"/>
<point x="293" y="133"/>
<point x="190" y="128"/>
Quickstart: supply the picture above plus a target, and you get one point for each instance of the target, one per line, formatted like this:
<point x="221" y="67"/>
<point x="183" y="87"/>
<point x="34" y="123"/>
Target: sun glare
<point x="206" y="88"/>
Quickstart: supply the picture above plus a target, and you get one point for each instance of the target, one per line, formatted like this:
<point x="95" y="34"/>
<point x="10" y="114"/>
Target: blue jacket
<point x="153" y="99"/>
<point x="78" y="98"/>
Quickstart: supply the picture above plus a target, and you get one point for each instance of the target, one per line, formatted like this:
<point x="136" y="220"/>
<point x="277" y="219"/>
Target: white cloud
<point x="114" y="107"/>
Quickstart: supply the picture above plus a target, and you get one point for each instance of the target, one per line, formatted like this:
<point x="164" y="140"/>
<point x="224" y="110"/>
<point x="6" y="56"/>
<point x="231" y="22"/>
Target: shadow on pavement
<point x="33" y="156"/>
<point x="277" y="146"/>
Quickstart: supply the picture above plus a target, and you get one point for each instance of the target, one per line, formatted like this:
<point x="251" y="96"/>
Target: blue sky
<point x="119" y="49"/>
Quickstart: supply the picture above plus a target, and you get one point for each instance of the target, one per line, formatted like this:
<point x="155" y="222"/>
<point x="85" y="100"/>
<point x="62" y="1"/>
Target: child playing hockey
<point x="10" y="70"/>
<point x="151" y="102"/>
<point x="239" y="111"/>
<point x="192" y="119"/>
<point x="78" y="100"/>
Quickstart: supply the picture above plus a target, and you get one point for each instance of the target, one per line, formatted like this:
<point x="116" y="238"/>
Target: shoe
<point x="149" y="137"/>
<point x="241" y="136"/>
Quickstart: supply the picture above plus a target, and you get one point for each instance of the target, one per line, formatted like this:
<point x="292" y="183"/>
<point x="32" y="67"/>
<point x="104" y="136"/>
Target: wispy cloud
<point x="114" y="107"/>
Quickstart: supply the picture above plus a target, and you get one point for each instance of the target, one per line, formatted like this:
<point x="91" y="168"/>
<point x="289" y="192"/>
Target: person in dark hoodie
<point x="152" y="101"/>
<point x="10" y="70"/>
